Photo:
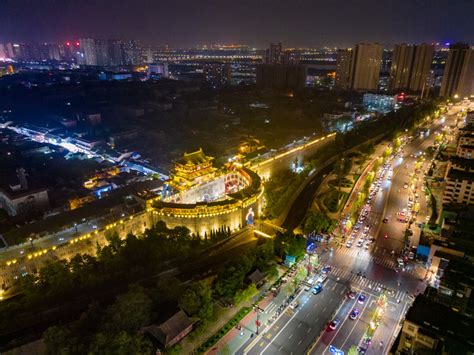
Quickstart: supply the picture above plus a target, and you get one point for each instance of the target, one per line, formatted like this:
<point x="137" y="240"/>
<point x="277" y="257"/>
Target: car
<point x="354" y="314"/>
<point x="361" y="298"/>
<point x="349" y="244"/>
<point x="326" y="269"/>
<point x="411" y="255"/>
<point x="351" y="294"/>
<point x="366" y="246"/>
<point x="385" y="220"/>
<point x="322" y="278"/>
<point x="294" y="304"/>
<point x="405" y="186"/>
<point x="366" y="228"/>
<point x="334" y="324"/>
<point x="360" y="242"/>
<point x="317" y="289"/>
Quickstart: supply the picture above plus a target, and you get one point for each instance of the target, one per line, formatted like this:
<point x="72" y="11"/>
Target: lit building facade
<point x="458" y="77"/>
<point x="359" y="68"/>
<point x="410" y="66"/>
<point x="459" y="179"/>
<point x="343" y="68"/>
<point x="379" y="103"/>
<point x="273" y="54"/>
<point x="89" y="52"/>
<point x="365" y="66"/>
<point x="192" y="169"/>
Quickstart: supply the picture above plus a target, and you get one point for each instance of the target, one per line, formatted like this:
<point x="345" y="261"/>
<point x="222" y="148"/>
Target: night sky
<point x="181" y="23"/>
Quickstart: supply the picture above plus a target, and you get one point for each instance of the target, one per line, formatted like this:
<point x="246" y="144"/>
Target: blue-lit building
<point x="380" y="103"/>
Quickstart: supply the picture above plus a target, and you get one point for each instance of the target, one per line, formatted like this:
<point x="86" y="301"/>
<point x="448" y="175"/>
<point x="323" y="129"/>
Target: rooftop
<point x="455" y="174"/>
<point x="166" y="332"/>
<point x="463" y="162"/>
<point x="468" y="129"/>
<point x="111" y="206"/>
<point x="195" y="158"/>
<point x="455" y="328"/>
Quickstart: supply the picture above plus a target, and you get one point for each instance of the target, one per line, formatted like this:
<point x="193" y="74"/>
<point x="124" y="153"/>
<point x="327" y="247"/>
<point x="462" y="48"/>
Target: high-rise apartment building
<point x="115" y="52"/>
<point x="3" y="52"/>
<point x="131" y="52"/>
<point x="290" y="57"/>
<point x="365" y="66"/>
<point x="276" y="55"/>
<point x="459" y="178"/>
<point x="343" y="68"/>
<point x="102" y="50"/>
<point x="362" y="65"/>
<point x="89" y="52"/>
<point x="410" y="66"/>
<point x="458" y="77"/>
<point x="273" y="54"/>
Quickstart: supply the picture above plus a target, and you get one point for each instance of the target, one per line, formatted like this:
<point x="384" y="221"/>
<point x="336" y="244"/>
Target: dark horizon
<point x="300" y="23"/>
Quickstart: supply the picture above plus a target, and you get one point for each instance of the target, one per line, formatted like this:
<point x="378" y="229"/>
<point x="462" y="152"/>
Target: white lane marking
<point x="277" y="334"/>
<point x="341" y="324"/>
<point x="356" y="322"/>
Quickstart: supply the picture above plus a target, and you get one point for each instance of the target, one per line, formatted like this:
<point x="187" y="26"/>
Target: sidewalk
<point x="237" y="338"/>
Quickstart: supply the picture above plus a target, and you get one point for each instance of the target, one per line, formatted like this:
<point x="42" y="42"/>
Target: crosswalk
<point x="271" y="307"/>
<point x="365" y="283"/>
<point x="359" y="253"/>
<point x="386" y="260"/>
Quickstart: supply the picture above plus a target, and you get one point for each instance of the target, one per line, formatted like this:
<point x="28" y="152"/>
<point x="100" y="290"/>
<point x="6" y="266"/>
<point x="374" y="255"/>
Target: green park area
<point x="333" y="200"/>
<point x="110" y="297"/>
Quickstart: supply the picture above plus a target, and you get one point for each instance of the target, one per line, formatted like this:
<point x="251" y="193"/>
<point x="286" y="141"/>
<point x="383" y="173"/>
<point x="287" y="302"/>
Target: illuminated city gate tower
<point x="192" y="169"/>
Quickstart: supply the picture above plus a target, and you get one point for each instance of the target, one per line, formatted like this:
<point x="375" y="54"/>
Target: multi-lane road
<point x="372" y="272"/>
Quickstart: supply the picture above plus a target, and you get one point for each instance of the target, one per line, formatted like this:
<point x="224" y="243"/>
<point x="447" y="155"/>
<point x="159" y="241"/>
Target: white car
<point x="349" y="244"/>
<point x="322" y="278"/>
<point x="294" y="304"/>
<point x="360" y="242"/>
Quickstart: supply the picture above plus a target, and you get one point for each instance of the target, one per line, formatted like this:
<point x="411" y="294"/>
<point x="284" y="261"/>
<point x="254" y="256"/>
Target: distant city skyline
<point x="302" y="23"/>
